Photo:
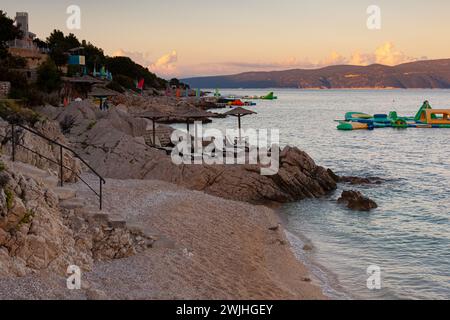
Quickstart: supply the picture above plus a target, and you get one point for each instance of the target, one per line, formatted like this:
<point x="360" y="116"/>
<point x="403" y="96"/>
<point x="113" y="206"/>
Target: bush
<point x="67" y="124"/>
<point x="91" y="125"/>
<point x="9" y="199"/>
<point x="49" y="78"/>
<point x="125" y="82"/>
<point x="114" y="85"/>
<point x="4" y="179"/>
<point x="11" y="111"/>
<point x="27" y="218"/>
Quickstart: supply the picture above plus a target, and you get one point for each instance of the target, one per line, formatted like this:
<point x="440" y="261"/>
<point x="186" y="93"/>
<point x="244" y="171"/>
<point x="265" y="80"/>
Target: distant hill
<point x="420" y="74"/>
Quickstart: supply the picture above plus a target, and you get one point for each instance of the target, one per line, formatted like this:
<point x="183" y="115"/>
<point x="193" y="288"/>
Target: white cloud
<point x="165" y="65"/>
<point x="142" y="58"/>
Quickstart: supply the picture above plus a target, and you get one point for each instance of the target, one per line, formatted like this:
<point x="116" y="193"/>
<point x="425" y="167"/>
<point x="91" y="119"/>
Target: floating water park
<point x="426" y="117"/>
<point x="239" y="101"/>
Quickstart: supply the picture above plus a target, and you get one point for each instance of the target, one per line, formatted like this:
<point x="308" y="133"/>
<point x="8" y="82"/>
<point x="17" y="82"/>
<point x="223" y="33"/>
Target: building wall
<point x="5" y="87"/>
<point x="34" y="57"/>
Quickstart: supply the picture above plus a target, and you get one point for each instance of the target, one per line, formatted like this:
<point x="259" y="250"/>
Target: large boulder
<point x="356" y="201"/>
<point x="116" y="147"/>
<point x="37" y="235"/>
<point x="45" y="149"/>
<point x="121" y="156"/>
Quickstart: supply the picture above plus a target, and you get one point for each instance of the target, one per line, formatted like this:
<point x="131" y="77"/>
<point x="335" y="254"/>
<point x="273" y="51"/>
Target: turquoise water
<point x="408" y="236"/>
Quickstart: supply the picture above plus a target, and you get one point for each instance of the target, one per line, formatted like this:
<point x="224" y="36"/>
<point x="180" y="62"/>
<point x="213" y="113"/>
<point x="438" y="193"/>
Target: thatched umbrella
<point x="239" y="112"/>
<point x="154" y="116"/>
<point x="102" y="93"/>
<point x="194" y="114"/>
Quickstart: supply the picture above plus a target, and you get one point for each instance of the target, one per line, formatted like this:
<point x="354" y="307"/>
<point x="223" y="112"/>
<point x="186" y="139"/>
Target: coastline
<point x="226" y="245"/>
<point x="303" y="249"/>
<point x="207" y="248"/>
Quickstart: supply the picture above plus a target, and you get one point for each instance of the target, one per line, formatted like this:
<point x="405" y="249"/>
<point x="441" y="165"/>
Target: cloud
<point x="166" y="60"/>
<point x="333" y="59"/>
<point x="166" y="65"/>
<point x="142" y="58"/>
<point x="387" y="54"/>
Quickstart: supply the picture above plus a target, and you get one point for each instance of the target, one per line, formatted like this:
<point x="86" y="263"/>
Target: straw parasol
<point x="101" y="93"/>
<point x="98" y="92"/>
<point x="194" y="114"/>
<point x="239" y="112"/>
<point x="154" y="116"/>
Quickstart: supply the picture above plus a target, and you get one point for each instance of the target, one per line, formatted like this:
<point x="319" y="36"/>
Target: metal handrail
<point x="62" y="147"/>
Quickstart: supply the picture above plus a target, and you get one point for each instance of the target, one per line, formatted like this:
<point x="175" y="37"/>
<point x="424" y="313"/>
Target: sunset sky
<point x="207" y="37"/>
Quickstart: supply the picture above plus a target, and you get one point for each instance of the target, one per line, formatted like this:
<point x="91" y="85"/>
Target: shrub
<point x="11" y="111"/>
<point x="9" y="199"/>
<point x="114" y="85"/>
<point x="91" y="125"/>
<point x="125" y="82"/>
<point x="27" y="218"/>
<point x="48" y="76"/>
<point x="67" y="124"/>
<point x="4" y="179"/>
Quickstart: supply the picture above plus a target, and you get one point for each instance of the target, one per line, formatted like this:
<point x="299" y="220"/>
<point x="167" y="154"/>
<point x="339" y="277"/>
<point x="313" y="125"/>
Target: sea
<point x="401" y="250"/>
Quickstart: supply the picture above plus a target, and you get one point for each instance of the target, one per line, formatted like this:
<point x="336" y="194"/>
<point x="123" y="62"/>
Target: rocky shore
<point x="196" y="225"/>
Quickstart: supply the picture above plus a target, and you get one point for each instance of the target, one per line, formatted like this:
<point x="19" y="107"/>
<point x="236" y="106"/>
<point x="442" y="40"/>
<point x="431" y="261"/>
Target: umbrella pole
<point x="188" y="133"/>
<point x="154" y="132"/>
<point x="239" y="124"/>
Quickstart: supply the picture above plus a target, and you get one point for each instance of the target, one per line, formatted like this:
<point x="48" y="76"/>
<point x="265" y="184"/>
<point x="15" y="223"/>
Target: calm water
<point x="409" y="235"/>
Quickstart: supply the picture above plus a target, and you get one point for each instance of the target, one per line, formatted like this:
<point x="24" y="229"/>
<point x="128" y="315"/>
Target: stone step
<point x="72" y="204"/>
<point x="138" y="228"/>
<point x="28" y="170"/>
<point x="65" y="193"/>
<point x="50" y="182"/>
<point x="87" y="212"/>
<point x="101" y="218"/>
<point x="116" y="221"/>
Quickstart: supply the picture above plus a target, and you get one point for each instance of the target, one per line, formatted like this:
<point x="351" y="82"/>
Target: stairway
<point x="67" y="195"/>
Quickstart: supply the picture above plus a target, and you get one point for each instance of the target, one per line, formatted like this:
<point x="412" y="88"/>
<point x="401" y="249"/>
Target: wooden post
<point x="101" y="194"/>
<point x="61" y="171"/>
<point x="13" y="142"/>
<point x="154" y="132"/>
<point x="239" y="124"/>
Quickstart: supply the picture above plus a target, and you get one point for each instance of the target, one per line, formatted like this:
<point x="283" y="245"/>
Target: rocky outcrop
<point x="51" y="130"/>
<point x="38" y="234"/>
<point x="116" y="147"/>
<point x="33" y="235"/>
<point x="360" y="180"/>
<point x="356" y="201"/>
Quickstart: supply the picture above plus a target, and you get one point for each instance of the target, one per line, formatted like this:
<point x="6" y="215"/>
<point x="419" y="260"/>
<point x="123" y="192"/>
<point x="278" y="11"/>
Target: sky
<point x="211" y="37"/>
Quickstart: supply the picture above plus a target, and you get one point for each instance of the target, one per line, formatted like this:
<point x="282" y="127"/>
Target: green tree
<point x="59" y="45"/>
<point x="126" y="67"/>
<point x="8" y="32"/>
<point x="48" y="76"/>
<point x="94" y="56"/>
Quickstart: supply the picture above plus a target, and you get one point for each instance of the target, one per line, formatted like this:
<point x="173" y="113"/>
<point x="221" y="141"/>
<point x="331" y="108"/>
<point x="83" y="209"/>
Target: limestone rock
<point x="114" y="146"/>
<point x="356" y="201"/>
<point x="360" y="180"/>
<point x="51" y="130"/>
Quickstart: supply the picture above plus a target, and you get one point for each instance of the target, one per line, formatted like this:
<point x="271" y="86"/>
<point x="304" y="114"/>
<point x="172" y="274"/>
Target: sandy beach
<point x="206" y="248"/>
